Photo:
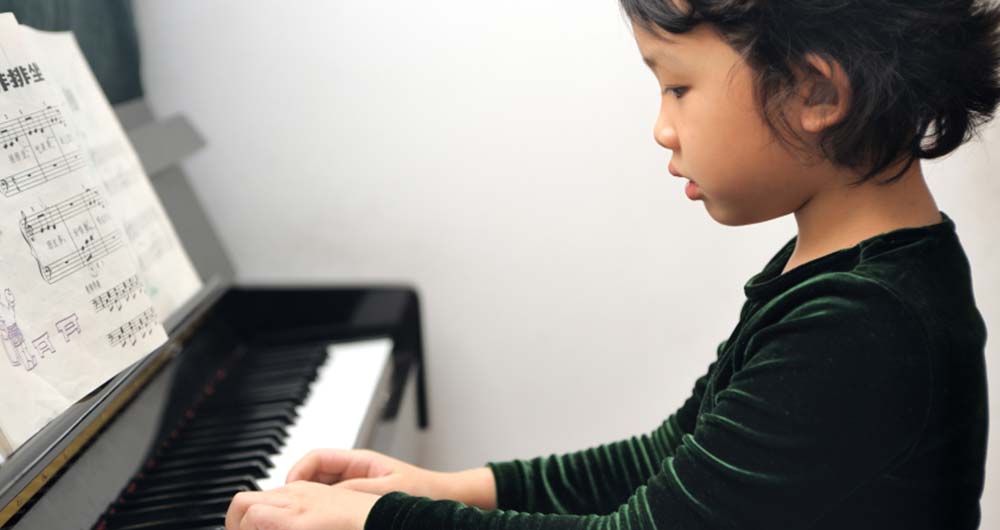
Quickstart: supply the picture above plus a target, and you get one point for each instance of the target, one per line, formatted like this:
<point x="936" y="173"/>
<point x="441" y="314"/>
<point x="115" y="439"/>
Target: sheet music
<point x="71" y="314"/>
<point x="165" y="268"/>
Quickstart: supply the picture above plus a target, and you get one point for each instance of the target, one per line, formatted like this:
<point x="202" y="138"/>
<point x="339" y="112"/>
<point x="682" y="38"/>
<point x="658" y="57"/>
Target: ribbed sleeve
<point x="398" y="511"/>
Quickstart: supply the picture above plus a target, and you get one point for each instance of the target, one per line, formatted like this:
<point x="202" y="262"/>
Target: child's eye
<point x="677" y="91"/>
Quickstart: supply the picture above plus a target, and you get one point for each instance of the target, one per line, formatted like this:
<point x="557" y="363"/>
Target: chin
<point x="731" y="217"/>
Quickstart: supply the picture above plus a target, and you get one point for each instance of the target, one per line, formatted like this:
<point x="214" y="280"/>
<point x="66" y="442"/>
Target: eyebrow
<point x="651" y="62"/>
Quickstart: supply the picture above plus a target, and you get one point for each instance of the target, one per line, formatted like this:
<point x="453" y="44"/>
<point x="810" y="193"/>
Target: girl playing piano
<point x="852" y="393"/>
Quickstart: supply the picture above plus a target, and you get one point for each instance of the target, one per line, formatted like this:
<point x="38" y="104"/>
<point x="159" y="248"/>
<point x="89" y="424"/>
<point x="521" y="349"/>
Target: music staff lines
<point x="135" y="329"/>
<point x="92" y="250"/>
<point x="42" y="173"/>
<point x="115" y="298"/>
<point x="13" y="131"/>
<point x="35" y="224"/>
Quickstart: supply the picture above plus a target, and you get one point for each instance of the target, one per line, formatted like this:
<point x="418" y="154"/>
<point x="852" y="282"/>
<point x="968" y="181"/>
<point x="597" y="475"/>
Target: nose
<point x="664" y="131"/>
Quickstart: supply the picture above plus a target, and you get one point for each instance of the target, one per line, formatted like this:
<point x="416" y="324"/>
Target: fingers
<point x="330" y="466"/>
<point x="308" y="468"/>
<point x="264" y="517"/>
<point x="314" y="467"/>
<point x="243" y="502"/>
<point x="378" y="486"/>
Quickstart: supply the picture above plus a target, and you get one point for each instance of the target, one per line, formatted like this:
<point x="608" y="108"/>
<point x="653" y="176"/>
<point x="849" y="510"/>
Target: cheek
<point x="733" y="146"/>
<point x="719" y="148"/>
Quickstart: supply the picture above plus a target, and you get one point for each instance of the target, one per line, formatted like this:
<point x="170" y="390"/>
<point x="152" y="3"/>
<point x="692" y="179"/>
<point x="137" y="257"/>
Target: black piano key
<point x="244" y="408"/>
<point x="206" y="520"/>
<point x="290" y="369"/>
<point x="234" y="424"/>
<point x="294" y="394"/>
<point x="271" y="444"/>
<point x="291" y="391"/>
<point x="142" y="488"/>
<point x="181" y="511"/>
<point x="208" y="460"/>
<point x="262" y="356"/>
<point x="215" y="430"/>
<point x="266" y="379"/>
<point x="276" y="433"/>
<point x="223" y="407"/>
<point x="146" y="501"/>
<point x="286" y="416"/>
<point x="256" y="363"/>
<point x="243" y="388"/>
<point x="254" y="469"/>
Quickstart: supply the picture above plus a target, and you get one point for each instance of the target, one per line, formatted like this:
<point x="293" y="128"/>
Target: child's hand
<point x="368" y="471"/>
<point x="300" y="506"/>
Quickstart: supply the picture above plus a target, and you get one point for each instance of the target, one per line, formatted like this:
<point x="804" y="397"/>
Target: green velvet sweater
<point x="851" y="394"/>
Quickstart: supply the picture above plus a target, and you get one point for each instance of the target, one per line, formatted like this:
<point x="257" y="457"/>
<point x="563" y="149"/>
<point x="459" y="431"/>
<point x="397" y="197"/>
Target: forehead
<point x="659" y="47"/>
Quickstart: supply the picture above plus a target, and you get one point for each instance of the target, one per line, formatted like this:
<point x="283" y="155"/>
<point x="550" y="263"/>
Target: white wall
<point x="499" y="156"/>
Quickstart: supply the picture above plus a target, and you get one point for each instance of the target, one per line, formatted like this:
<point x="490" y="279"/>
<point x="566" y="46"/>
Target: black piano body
<point x="72" y="473"/>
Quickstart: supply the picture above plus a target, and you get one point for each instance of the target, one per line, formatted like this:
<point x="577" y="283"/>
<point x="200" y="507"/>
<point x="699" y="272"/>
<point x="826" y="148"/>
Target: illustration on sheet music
<point x="73" y="306"/>
<point x="11" y="336"/>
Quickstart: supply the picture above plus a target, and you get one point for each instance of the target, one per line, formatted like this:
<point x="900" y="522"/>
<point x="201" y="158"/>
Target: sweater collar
<point x="770" y="282"/>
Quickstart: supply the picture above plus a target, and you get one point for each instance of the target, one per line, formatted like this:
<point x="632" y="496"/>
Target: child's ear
<point x="826" y="92"/>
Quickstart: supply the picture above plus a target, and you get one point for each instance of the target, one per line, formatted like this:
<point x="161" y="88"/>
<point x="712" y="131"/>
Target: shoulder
<point x="839" y="349"/>
<point x="850" y="302"/>
<point x="843" y="326"/>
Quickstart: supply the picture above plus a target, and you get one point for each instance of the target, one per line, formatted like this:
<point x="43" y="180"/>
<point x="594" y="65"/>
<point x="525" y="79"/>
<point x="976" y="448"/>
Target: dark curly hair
<point x="923" y="73"/>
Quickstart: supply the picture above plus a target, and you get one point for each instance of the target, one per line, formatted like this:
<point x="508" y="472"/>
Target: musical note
<point x="115" y="298"/>
<point x="76" y="221"/>
<point x="134" y="330"/>
<point x="78" y="259"/>
<point x="34" y="133"/>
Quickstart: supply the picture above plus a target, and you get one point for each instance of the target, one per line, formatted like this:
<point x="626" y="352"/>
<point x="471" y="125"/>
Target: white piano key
<point x="339" y="398"/>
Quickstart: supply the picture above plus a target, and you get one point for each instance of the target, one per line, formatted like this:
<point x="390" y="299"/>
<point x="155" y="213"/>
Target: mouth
<point x="673" y="171"/>
<point x="692" y="190"/>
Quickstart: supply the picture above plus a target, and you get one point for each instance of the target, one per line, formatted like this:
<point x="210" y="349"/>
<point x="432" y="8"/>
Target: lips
<point x="691" y="190"/>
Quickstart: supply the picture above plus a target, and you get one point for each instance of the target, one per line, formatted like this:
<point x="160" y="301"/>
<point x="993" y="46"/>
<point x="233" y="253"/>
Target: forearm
<point x="398" y="511"/>
<point x="595" y="480"/>
<point x="592" y="481"/>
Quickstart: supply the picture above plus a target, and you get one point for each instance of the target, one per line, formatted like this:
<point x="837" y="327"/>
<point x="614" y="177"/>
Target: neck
<point x="840" y="217"/>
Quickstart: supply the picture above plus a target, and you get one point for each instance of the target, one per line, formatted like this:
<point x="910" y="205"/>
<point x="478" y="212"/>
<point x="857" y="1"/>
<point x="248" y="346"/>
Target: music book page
<point x="73" y="308"/>
<point x="164" y="265"/>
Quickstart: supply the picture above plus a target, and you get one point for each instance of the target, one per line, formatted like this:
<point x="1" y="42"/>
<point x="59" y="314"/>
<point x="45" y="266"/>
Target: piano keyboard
<point x="258" y="417"/>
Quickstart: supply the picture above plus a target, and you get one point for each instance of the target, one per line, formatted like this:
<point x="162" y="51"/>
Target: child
<point x="852" y="393"/>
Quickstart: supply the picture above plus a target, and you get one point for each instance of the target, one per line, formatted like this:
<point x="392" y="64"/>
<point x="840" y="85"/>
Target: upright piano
<point x="250" y="379"/>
